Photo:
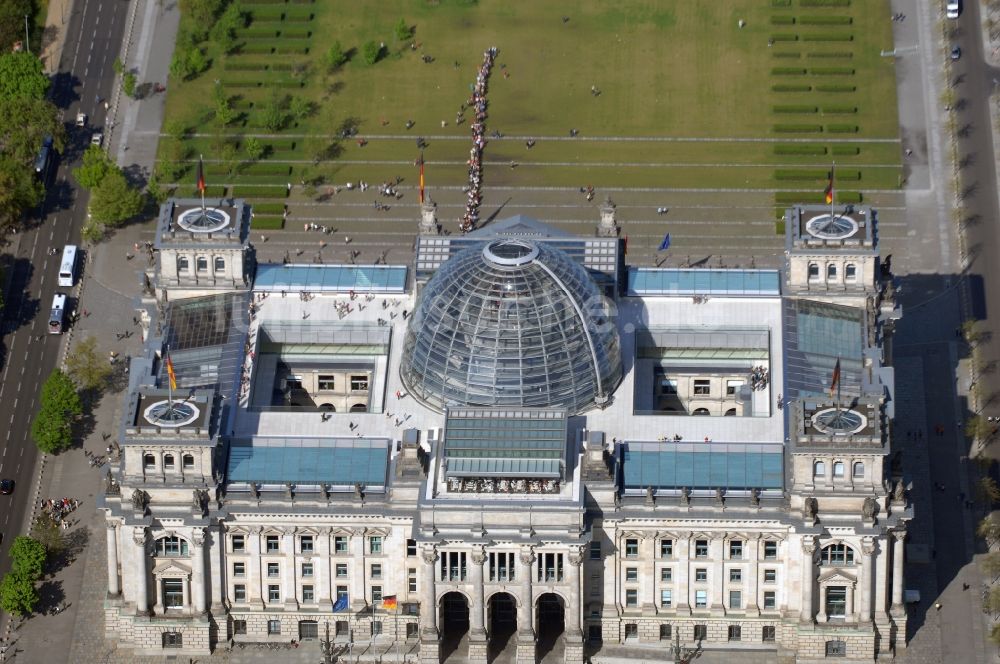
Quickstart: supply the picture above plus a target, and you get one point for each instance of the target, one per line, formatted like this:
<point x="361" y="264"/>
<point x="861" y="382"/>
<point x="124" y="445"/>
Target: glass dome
<point x="511" y="322"/>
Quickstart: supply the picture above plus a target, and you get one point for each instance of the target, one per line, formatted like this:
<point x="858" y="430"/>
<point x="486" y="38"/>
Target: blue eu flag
<point x="341" y="604"/>
<point x="666" y="243"/>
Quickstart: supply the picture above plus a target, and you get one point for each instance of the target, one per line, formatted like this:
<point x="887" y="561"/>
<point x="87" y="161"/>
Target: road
<point x="94" y="35"/>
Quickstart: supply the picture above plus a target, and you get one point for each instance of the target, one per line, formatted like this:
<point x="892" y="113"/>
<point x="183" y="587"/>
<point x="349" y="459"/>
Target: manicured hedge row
<point x="263" y="222"/>
<point x="831" y="71"/>
<point x="799" y="149"/>
<point x="790" y="55"/>
<point x="828" y="37"/>
<point x="296" y="33"/>
<point x="267" y="169"/>
<point x="843" y="55"/>
<point x="837" y="109"/>
<point x="779" y="4"/>
<point x="263" y="83"/>
<point x="787" y="71"/>
<point x="825" y="3"/>
<point x="210" y="192"/>
<point x="798" y="128"/>
<point x="782" y="19"/>
<point x="794" y="108"/>
<point x="793" y="197"/>
<point x="277" y="144"/>
<point x="273" y="47"/>
<point x="299" y="18"/>
<point x="791" y="87"/>
<point x="825" y="20"/>
<point x="836" y="87"/>
<point x="244" y="65"/>
<point x="815" y="174"/>
<point x="845" y="150"/>
<point x="249" y="191"/>
<point x="842" y="128"/>
<point x="784" y="36"/>
<point x="265" y="13"/>
<point x="269" y="208"/>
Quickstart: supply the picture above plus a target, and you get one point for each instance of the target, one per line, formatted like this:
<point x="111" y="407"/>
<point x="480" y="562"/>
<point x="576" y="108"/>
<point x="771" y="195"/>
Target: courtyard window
<point x="274" y="593"/>
<point x="665" y="633"/>
<point x="813" y="271"/>
<point x="168" y="462"/>
<point x="183" y="264"/>
<point x="411" y="548"/>
<point x="770" y="576"/>
<point x="273" y="570"/>
<point x="239" y="627"/>
<point x="411" y="580"/>
<point x="701" y="575"/>
<point x="702" y="387"/>
<point x="838" y="468"/>
<point x="173" y="593"/>
<point x="326" y="383"/>
<point x="341" y="570"/>
<point x="239" y="543"/>
<point x="202" y="264"/>
<point x="836" y="601"/>
<point x="359" y="383"/>
<point x="306" y="544"/>
<point x="819" y="469"/>
<point x="850" y="272"/>
<point x="376" y="594"/>
<point x="239" y="569"/>
<point x="307" y="594"/>
<point x="188" y="461"/>
<point x="733" y="387"/>
<point x="831" y="271"/>
<point x="735" y="599"/>
<point x="700" y="632"/>
<point x="376" y="571"/>
<point x="148" y="462"/>
<point x="173" y="640"/>
<point x="859" y="470"/>
<point x="220" y="264"/>
<point x="595" y="550"/>
<point x="836" y="649"/>
<point x="666" y="575"/>
<point x="239" y="593"/>
<point x="340" y="544"/>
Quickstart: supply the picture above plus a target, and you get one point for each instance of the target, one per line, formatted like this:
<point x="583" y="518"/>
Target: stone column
<point x="717" y="550"/>
<point x="683" y="600"/>
<point x="477" y="616"/>
<point x="141" y="582"/>
<point x="288" y="581"/>
<point x="114" y="588"/>
<point x="430" y="646"/>
<point x="525" y="623"/>
<point x="185" y="590"/>
<point x="849" y="611"/>
<point x="821" y="616"/>
<point x="360" y="599"/>
<point x="753" y="571"/>
<point x="897" y="572"/>
<point x="573" y="636"/>
<point x="867" y="551"/>
<point x="647" y="571"/>
<point x="808" y="549"/>
<point x="216" y="550"/>
<point x="321" y="570"/>
<point x="256" y="591"/>
<point x="198" y="570"/>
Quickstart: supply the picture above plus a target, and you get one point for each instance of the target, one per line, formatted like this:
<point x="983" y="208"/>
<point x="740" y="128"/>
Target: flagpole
<point x="201" y="181"/>
<point x="170" y="387"/>
<point x="833" y="193"/>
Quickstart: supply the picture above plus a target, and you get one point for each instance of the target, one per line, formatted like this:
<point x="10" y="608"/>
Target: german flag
<point x="201" y="177"/>
<point x="421" y="178"/>
<point x="170" y="373"/>
<point x="389" y="603"/>
<point x="835" y="382"/>
<point x="828" y="192"/>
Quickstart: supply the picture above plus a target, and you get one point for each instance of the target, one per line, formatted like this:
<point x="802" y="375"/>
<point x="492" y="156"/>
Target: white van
<point x="58" y="313"/>
<point x="67" y="267"/>
<point x="952" y="8"/>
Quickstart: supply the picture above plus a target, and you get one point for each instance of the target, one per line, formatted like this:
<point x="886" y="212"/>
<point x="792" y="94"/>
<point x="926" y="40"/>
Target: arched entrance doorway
<point x="501" y="617"/>
<point x="454" y="622"/>
<point x="551" y="617"/>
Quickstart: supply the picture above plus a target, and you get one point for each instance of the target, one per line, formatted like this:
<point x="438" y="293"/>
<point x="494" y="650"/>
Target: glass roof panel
<point x="710" y="466"/>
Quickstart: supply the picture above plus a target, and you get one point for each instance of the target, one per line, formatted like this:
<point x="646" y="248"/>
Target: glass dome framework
<point x="510" y="322"/>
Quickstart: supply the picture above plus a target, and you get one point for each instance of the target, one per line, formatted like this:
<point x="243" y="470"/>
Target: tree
<point x="60" y="405"/>
<point x="118" y="67"/>
<point x="991" y="564"/>
<point x="47" y="530"/>
<point x="228" y="156"/>
<point x="991" y="601"/>
<point x="371" y="52"/>
<point x="128" y="84"/>
<point x="114" y="200"/>
<point x="27" y="557"/>
<point x="202" y="12"/>
<point x="176" y="129"/>
<point x="19" y="190"/>
<point x="979" y="428"/>
<point x="300" y="108"/>
<point x="335" y="56"/>
<point x="224" y="31"/>
<point x="988" y="491"/>
<point x="95" y="167"/>
<point x="12" y="13"/>
<point x="188" y="62"/>
<point x="21" y="75"/>
<point x="224" y="112"/>
<point x="253" y="148"/>
<point x="273" y="115"/>
<point x="989" y="530"/>
<point x="403" y="31"/>
<point x="18" y="595"/>
<point x="36" y="120"/>
<point x="85" y="365"/>
<point x="995" y="634"/>
<point x="156" y="192"/>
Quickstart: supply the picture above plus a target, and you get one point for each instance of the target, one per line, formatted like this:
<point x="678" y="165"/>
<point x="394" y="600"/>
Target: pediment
<point x="172" y="568"/>
<point x="835" y="576"/>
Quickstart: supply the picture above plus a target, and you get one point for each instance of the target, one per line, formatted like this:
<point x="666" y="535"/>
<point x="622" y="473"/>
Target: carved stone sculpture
<point x="755" y="497"/>
<point x="685" y="496"/>
<point x="868" y="509"/>
<point x="139" y="500"/>
<point x="899" y="492"/>
<point x="649" y="495"/>
<point x="810" y="508"/>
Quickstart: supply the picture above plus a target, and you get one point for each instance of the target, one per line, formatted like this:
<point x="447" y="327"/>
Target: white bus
<point x="58" y="314"/>
<point x="67" y="268"/>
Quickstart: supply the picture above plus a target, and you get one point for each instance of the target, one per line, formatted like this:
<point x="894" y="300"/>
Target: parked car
<point x="952" y="8"/>
<point x="81" y="119"/>
<point x="956" y="52"/>
<point x="6" y="487"/>
<point x="97" y="138"/>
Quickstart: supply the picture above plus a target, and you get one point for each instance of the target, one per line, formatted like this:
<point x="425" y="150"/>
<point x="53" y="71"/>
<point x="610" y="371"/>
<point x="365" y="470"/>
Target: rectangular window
<point x="770" y="576"/>
<point x="666" y="575"/>
<point x="341" y="570"/>
<point x="376" y="594"/>
<point x="735" y="633"/>
<point x="502" y="566"/>
<point x="411" y="548"/>
<point x="702" y="387"/>
<point x="632" y="598"/>
<point x="307" y="570"/>
<point x="306" y="544"/>
<point x="173" y="640"/>
<point x="307" y="594"/>
<point x="274" y="593"/>
<point x="273" y="570"/>
<point x="411" y="580"/>
<point x="770" y="550"/>
<point x="701" y="599"/>
<point x="700" y="632"/>
<point x="202" y="263"/>
<point x="220" y="264"/>
<point x="836" y="601"/>
<point x="273" y="544"/>
<point x="666" y="598"/>
<point x="836" y="648"/>
<point x="735" y="599"/>
<point x="239" y="627"/>
<point x="631" y="548"/>
<point x="376" y="571"/>
<point x="325" y="383"/>
<point x="631" y="631"/>
<point x="239" y="543"/>
<point x="188" y="461"/>
<point x="550" y="567"/>
<point x="173" y="593"/>
<point x="733" y="387"/>
<point x="767" y="634"/>
<point x="769" y="599"/>
<point x="736" y="550"/>
<point x="595" y="550"/>
<point x="239" y="593"/>
<point x="668" y="386"/>
<point x="666" y="548"/>
<point x="631" y="574"/>
<point x="341" y="592"/>
<point x="735" y="575"/>
<point x="701" y="548"/>
<point x="359" y="383"/>
<point x="340" y="544"/>
<point x="377" y="628"/>
<point x="453" y="566"/>
<point x="375" y="545"/>
<point x="665" y="633"/>
<point x="274" y="627"/>
<point x="239" y="569"/>
<point x="701" y="575"/>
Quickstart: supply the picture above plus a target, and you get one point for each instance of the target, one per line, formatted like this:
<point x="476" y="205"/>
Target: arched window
<point x="831" y="271"/>
<point x="188" y="461"/>
<point x="171" y="546"/>
<point x="838" y="468"/>
<point x="700" y="411"/>
<point x="838" y="554"/>
<point x="168" y="461"/>
<point x="813" y="271"/>
<point x="731" y="412"/>
<point x="359" y="408"/>
<point x="819" y="469"/>
<point x="183" y="264"/>
<point x="850" y="272"/>
<point x="148" y="461"/>
<point x="220" y="264"/>
<point x="202" y="263"/>
<point x="859" y="470"/>
<point x="329" y="407"/>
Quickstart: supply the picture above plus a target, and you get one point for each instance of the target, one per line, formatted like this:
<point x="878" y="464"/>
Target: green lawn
<point x="668" y="68"/>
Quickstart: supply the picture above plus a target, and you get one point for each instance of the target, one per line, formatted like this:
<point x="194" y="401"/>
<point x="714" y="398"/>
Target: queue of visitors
<point x="477" y="102"/>
<point x="758" y="378"/>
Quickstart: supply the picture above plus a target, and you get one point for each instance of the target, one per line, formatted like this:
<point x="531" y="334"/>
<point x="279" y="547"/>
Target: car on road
<point x="952" y="8"/>
<point x="81" y="119"/>
<point x="6" y="487"/>
<point x="956" y="53"/>
<point x="96" y="139"/>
